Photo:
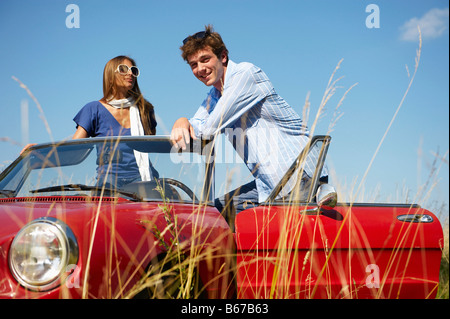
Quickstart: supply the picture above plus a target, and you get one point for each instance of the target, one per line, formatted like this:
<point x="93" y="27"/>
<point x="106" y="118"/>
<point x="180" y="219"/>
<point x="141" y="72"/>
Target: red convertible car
<point x="71" y="228"/>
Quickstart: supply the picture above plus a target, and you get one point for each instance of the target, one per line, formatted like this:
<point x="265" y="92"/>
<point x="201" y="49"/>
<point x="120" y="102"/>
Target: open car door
<point x="299" y="245"/>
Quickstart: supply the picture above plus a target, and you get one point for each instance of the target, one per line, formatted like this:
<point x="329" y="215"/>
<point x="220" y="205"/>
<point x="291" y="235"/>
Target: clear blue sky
<point x="297" y="43"/>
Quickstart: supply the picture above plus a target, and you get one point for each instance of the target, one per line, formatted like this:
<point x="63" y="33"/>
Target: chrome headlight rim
<point x="69" y="248"/>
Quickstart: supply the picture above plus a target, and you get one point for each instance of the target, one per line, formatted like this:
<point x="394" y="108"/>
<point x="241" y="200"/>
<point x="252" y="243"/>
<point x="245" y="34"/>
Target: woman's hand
<point x="26" y="147"/>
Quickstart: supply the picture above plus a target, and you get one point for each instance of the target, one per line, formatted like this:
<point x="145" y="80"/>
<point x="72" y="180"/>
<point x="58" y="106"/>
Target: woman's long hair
<point x="146" y="109"/>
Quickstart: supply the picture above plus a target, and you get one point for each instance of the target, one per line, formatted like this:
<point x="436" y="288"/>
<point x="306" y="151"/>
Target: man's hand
<point x="182" y="131"/>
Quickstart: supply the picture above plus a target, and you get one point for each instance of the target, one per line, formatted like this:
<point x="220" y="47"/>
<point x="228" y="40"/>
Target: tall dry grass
<point x="176" y="276"/>
<point x="443" y="291"/>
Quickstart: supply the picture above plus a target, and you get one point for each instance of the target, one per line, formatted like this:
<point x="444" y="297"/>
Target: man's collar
<point x="229" y="71"/>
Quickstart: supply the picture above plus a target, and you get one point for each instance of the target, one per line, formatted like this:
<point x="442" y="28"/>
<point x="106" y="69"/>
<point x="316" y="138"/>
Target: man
<point x="265" y="131"/>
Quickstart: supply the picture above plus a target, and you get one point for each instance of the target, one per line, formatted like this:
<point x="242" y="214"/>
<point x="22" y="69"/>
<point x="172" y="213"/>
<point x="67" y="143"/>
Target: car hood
<point x="79" y="212"/>
<point x="16" y="212"/>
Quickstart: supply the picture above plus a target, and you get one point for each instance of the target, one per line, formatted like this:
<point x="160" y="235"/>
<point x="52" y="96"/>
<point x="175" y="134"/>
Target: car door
<point x="289" y="247"/>
<point x="274" y="240"/>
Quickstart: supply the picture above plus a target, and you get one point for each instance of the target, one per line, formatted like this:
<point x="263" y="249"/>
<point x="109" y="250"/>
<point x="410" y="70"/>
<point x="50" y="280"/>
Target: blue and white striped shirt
<point x="265" y="131"/>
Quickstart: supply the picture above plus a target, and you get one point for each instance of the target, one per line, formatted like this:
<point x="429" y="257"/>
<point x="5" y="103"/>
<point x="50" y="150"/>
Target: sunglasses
<point x="198" y="35"/>
<point x="123" y="69"/>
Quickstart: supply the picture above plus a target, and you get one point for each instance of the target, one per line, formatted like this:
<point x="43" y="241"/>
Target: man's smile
<point x="207" y="67"/>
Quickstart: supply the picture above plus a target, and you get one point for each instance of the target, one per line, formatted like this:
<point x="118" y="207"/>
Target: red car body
<point x="285" y="248"/>
<point x="123" y="243"/>
<point x="356" y="251"/>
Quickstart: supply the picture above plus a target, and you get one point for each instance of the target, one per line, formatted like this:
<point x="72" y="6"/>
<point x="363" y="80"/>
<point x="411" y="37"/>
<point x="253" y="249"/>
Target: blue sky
<point x="297" y="43"/>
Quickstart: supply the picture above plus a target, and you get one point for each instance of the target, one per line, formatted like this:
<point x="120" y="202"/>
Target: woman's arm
<point x="80" y="133"/>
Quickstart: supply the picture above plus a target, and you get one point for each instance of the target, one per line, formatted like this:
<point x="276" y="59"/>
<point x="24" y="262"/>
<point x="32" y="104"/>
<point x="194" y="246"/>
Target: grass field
<point x="181" y="266"/>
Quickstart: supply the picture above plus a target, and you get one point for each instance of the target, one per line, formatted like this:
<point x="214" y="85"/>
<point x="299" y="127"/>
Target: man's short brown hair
<point x="200" y="40"/>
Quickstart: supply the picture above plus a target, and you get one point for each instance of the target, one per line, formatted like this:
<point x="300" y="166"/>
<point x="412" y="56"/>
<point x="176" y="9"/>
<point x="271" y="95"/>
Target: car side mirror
<point x="326" y="196"/>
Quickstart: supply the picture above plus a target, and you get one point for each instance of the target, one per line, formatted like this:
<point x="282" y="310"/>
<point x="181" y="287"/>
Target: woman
<point x="120" y="87"/>
<point x="121" y="111"/>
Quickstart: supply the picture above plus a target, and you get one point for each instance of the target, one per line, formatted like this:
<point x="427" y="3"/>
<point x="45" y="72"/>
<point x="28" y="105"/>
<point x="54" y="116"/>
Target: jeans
<point x="243" y="197"/>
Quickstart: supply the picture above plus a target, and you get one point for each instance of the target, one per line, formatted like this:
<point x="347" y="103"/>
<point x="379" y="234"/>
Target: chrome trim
<point x="415" y="218"/>
<point x="298" y="161"/>
<point x="311" y="211"/>
<point x="71" y="247"/>
<point x="326" y="196"/>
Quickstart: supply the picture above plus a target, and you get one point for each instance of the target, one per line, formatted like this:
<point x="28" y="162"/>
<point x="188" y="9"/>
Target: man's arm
<point x="248" y="88"/>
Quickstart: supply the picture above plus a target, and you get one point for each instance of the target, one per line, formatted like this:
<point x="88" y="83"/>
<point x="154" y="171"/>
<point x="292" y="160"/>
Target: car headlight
<point x="41" y="253"/>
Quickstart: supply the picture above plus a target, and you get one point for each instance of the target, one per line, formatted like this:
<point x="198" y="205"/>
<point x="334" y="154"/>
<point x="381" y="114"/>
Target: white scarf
<point x="136" y="130"/>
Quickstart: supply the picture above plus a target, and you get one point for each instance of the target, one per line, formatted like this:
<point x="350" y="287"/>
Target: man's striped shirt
<point x="265" y="131"/>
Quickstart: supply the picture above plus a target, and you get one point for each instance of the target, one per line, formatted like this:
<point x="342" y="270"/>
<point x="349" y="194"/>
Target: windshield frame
<point x="154" y="144"/>
<point x="297" y="168"/>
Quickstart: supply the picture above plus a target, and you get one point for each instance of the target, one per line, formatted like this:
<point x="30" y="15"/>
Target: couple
<point x="241" y="98"/>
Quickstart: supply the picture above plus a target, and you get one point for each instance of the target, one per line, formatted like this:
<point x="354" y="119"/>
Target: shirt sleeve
<point x="198" y="120"/>
<point x="246" y="88"/>
<point x="87" y="119"/>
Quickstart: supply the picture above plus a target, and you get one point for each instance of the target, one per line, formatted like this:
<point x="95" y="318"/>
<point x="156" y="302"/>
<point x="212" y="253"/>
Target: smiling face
<point x="208" y="68"/>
